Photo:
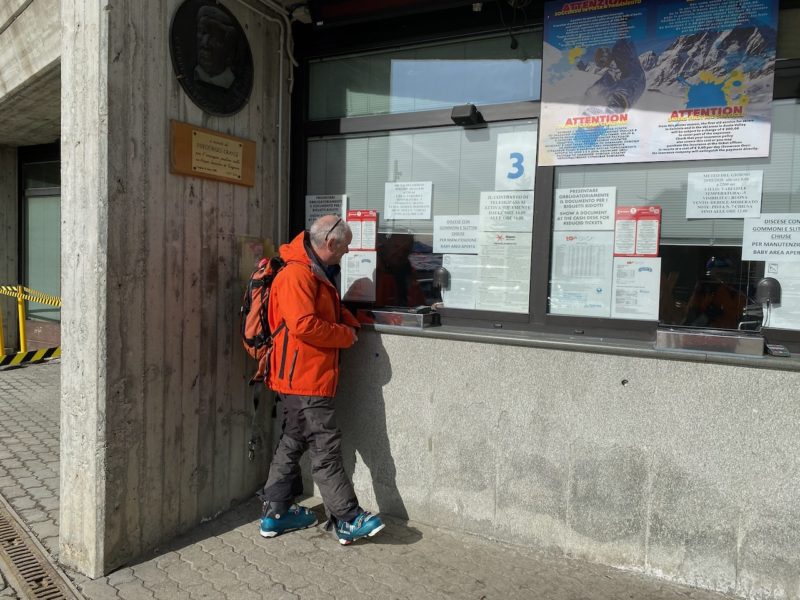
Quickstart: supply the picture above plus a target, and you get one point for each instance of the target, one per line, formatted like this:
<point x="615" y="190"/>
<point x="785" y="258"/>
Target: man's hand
<point x="355" y="334"/>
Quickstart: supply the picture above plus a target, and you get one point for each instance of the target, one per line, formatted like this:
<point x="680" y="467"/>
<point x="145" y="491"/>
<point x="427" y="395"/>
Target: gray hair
<point x="322" y="228"/>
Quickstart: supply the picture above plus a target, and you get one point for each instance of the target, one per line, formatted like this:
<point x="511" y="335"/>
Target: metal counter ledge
<point x="574" y="343"/>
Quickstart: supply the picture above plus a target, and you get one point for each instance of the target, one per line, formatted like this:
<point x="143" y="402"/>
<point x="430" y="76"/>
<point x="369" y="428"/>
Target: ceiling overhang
<point x="32" y="113"/>
<point x="341" y="12"/>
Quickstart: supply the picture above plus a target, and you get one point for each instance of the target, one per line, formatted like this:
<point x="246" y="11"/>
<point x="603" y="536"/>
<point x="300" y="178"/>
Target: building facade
<point x="609" y="403"/>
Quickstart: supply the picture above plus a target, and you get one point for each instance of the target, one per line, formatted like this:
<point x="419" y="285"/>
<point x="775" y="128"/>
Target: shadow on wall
<point x="361" y="413"/>
<point x="608" y="491"/>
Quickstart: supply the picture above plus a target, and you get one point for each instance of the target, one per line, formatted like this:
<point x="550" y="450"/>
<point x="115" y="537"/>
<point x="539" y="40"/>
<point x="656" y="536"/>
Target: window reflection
<point x="704" y="286"/>
<point x="405" y="271"/>
<point x="432" y="84"/>
<point x="426" y="77"/>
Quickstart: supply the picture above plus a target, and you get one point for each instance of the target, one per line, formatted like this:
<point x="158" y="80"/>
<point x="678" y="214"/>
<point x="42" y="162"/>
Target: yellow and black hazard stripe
<point x="33" y="356"/>
<point x="30" y="295"/>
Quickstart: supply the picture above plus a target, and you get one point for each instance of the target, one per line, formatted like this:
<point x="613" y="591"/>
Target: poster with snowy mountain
<point x="656" y="80"/>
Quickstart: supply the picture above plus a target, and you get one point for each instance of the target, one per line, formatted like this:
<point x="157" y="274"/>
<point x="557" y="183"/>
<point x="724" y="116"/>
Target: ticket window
<point x="704" y="282"/>
<point x="489" y="265"/>
<point x="401" y="101"/>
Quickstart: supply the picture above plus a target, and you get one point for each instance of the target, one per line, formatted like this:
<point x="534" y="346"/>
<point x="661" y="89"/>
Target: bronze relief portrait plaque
<point x="211" y="57"/>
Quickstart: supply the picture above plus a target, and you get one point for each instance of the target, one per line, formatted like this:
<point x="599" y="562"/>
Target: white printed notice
<point x="358" y="276"/>
<point x="581" y="273"/>
<point x="516" y="161"/>
<point x="772" y="236"/>
<point x="408" y="199"/>
<point x="456" y="234"/>
<point x="636" y="288"/>
<point x="588" y="208"/>
<point x="786" y="314"/>
<point x="506" y="211"/>
<point x="724" y="195"/>
<point x="505" y="267"/>
<point x="329" y="204"/>
<point x="463" y="289"/>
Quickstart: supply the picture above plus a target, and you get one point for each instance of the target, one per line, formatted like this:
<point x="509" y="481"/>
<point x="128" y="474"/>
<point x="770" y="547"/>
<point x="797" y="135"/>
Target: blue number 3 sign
<point x="516" y="164"/>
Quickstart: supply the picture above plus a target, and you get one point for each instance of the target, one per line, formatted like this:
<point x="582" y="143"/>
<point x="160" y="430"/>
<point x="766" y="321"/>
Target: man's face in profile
<point x="338" y="250"/>
<point x="215" y="40"/>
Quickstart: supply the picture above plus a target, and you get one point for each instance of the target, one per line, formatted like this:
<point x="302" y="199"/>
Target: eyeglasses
<point x="332" y="228"/>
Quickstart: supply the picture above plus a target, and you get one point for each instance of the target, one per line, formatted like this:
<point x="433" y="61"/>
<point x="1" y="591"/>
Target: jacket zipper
<point x="291" y="369"/>
<point x="325" y="281"/>
<point x="283" y="354"/>
<point x="336" y="379"/>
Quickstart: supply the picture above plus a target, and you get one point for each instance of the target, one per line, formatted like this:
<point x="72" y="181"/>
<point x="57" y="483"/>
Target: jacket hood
<point x="297" y="250"/>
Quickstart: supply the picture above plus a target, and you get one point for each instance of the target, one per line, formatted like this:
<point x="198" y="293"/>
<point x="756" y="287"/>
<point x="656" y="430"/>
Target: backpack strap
<point x="256" y="440"/>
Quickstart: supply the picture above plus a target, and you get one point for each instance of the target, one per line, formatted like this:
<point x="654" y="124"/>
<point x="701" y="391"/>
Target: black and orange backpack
<point x="253" y="315"/>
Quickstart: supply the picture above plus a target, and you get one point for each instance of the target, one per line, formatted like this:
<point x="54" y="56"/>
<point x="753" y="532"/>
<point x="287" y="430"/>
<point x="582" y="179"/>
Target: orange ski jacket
<point x="311" y="324"/>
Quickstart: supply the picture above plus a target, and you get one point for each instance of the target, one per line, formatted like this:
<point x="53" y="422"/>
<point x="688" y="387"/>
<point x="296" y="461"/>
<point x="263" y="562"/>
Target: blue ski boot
<point x="275" y="521"/>
<point x="364" y="525"/>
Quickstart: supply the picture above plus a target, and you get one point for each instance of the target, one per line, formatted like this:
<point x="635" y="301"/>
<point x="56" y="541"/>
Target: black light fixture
<point x="768" y="291"/>
<point x="466" y="115"/>
<point x="441" y="278"/>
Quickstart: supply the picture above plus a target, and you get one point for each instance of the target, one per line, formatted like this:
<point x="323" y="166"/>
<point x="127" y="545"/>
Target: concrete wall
<point x="9" y="227"/>
<point x="155" y="406"/>
<point x="686" y="471"/>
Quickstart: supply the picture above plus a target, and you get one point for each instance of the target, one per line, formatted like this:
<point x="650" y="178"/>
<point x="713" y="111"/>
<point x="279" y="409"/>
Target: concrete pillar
<point x="156" y="410"/>
<point x="9" y="247"/>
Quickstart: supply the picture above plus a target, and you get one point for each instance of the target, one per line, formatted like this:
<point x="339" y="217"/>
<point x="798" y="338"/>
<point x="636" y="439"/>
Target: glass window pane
<point x="482" y="71"/>
<point x="788" y="40"/>
<point x="43" y="252"/>
<point x="490" y="270"/>
<point x="704" y="281"/>
<point x="41" y="175"/>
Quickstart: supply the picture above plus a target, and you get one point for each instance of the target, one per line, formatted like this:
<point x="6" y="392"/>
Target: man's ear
<point x="331" y="245"/>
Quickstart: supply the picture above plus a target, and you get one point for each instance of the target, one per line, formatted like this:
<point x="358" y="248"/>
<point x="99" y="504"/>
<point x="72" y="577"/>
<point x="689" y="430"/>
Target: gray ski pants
<point x="309" y="423"/>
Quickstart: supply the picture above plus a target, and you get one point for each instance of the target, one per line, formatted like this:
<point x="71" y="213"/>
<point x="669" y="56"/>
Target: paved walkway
<point x="227" y="559"/>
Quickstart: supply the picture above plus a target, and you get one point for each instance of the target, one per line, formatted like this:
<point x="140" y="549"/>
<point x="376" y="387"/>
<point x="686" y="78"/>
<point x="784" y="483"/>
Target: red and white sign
<point x="637" y="230"/>
<point x="364" y="225"/>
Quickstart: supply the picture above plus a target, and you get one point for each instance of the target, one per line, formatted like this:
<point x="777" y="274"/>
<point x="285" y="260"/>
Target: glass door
<point x="43" y="249"/>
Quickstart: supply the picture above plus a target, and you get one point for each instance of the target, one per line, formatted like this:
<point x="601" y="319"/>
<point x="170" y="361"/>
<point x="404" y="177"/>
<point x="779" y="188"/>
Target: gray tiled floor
<point x="29" y="423"/>
<point x="227" y="559"/>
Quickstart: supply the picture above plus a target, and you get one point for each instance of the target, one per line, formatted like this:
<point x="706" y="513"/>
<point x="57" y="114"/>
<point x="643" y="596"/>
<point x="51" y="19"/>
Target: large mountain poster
<point x="655" y="80"/>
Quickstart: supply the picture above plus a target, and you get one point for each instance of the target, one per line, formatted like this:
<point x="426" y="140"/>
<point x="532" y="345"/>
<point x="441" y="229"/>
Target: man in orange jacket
<point x="311" y="326"/>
